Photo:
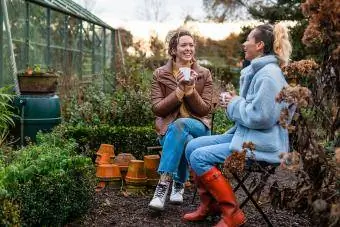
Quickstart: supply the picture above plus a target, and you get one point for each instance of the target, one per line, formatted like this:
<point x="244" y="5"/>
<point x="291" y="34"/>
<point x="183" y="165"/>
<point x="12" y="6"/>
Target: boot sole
<point x="156" y="208"/>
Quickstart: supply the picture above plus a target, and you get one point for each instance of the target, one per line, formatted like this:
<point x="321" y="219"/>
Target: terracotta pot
<point x="151" y="163"/>
<point x="105" y="154"/>
<point x="136" y="173"/>
<point x="108" y="172"/>
<point x="122" y="160"/>
<point x="106" y="148"/>
<point x="104" y="158"/>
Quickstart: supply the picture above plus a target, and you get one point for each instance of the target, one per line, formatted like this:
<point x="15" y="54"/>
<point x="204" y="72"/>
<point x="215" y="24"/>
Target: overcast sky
<point x="128" y="14"/>
<point x="129" y="10"/>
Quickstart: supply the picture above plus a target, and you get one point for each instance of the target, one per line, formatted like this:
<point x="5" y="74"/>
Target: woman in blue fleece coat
<point x="256" y="115"/>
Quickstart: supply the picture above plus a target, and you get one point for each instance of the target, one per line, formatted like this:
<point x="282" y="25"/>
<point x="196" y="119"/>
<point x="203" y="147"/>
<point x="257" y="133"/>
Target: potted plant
<point x="38" y="80"/>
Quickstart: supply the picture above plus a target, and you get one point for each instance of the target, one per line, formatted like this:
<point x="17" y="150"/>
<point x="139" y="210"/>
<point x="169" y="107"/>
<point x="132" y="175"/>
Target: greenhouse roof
<point x="71" y="8"/>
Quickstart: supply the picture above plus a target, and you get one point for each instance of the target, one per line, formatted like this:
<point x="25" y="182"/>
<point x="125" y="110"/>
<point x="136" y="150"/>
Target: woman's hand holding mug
<point x="225" y="98"/>
<point x="186" y="77"/>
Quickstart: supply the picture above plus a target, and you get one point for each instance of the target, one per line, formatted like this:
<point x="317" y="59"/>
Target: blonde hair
<point x="276" y="41"/>
<point x="282" y="46"/>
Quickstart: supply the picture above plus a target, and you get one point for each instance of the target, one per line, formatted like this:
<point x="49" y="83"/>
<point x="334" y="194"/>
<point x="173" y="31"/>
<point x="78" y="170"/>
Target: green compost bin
<point x="36" y="113"/>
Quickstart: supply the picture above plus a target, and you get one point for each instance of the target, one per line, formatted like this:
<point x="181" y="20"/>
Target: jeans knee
<point x="178" y="124"/>
<point x="196" y="160"/>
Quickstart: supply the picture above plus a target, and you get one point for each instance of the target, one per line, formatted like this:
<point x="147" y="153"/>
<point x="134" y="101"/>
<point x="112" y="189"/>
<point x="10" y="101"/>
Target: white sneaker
<point x="177" y="193"/>
<point x="158" y="200"/>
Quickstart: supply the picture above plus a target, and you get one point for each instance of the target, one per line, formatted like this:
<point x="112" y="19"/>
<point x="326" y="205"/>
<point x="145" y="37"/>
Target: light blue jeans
<point x="179" y="133"/>
<point x="205" y="152"/>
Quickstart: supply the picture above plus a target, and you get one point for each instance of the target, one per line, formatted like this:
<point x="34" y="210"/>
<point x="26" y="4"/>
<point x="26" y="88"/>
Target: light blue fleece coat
<point x="256" y="113"/>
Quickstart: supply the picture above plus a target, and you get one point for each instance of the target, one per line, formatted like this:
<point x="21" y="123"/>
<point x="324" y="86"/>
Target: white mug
<point x="186" y="72"/>
<point x="223" y="95"/>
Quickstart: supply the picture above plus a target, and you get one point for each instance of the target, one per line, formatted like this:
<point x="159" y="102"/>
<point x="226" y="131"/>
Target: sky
<point x="131" y="15"/>
<point x="128" y="10"/>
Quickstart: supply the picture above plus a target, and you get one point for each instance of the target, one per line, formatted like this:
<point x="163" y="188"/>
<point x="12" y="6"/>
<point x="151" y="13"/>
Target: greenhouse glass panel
<point x="57" y="40"/>
<point x="87" y="47"/>
<point x="108" y="49"/>
<point x="98" y="49"/>
<point x="17" y="17"/>
<point x="58" y="34"/>
<point x="73" y="47"/>
<point x="37" y="36"/>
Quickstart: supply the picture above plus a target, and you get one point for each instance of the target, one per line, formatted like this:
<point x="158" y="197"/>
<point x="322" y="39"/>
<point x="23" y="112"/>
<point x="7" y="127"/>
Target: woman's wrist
<point x="179" y="93"/>
<point x="189" y="89"/>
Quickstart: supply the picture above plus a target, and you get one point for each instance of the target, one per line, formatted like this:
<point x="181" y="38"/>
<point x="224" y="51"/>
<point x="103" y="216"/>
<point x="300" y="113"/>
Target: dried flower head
<point x="290" y="160"/>
<point x="235" y="163"/>
<point x="303" y="68"/>
<point x="300" y="96"/>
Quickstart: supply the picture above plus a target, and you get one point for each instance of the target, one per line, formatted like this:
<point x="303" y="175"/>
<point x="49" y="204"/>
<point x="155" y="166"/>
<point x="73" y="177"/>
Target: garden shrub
<point x="132" y="108"/>
<point x="9" y="212"/>
<point x="221" y="123"/>
<point x="88" y="104"/>
<point x="133" y="139"/>
<point x="127" y="139"/>
<point x="49" y="181"/>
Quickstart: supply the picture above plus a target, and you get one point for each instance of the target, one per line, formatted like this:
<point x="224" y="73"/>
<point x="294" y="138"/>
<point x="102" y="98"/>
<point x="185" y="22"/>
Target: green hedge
<point x="9" y="212"/>
<point x="50" y="183"/>
<point x="134" y="139"/>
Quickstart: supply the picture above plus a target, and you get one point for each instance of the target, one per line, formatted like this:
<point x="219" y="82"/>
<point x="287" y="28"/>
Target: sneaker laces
<point x="178" y="187"/>
<point x="161" y="189"/>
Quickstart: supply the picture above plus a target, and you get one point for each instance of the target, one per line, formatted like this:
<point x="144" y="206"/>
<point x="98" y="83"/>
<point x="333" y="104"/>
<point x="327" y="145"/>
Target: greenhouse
<point x="53" y="34"/>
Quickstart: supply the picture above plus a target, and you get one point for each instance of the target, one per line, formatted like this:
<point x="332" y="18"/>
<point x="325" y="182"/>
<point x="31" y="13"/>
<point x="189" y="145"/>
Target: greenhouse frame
<point x="54" y="34"/>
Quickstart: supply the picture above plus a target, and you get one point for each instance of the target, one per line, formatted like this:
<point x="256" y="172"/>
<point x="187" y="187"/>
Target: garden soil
<point x="118" y="207"/>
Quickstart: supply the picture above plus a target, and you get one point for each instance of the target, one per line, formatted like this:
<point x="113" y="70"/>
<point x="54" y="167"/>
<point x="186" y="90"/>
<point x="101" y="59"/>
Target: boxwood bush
<point x="133" y="139"/>
<point x="127" y="139"/>
<point x="50" y="183"/>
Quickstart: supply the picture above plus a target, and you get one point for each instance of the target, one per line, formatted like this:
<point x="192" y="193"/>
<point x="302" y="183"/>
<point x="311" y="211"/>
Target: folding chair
<point x="265" y="169"/>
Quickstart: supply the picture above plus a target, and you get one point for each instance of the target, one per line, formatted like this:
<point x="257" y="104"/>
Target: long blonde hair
<point x="276" y="41"/>
<point x="282" y="46"/>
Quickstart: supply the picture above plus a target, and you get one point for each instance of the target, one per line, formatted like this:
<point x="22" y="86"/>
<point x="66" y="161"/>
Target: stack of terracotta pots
<point x="136" y="176"/>
<point x="107" y="172"/>
<point x="114" y="170"/>
<point x="142" y="173"/>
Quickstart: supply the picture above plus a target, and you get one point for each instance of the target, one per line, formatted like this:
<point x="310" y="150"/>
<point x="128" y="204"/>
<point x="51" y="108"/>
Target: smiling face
<point x="185" y="50"/>
<point x="251" y="48"/>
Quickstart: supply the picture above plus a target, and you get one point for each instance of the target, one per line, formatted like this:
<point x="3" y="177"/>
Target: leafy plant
<point x="49" y="181"/>
<point x="133" y="139"/>
<point x="9" y="212"/>
<point x="6" y="113"/>
<point x="88" y="104"/>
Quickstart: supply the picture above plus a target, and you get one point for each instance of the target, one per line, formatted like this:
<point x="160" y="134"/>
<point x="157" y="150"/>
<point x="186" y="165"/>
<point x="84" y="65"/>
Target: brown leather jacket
<point x="165" y="104"/>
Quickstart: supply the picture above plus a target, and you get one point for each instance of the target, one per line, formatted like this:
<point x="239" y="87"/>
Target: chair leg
<point x="244" y="178"/>
<point x="250" y="197"/>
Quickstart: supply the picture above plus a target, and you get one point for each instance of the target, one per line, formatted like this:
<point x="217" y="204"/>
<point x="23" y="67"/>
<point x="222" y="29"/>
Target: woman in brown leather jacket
<point x="182" y="107"/>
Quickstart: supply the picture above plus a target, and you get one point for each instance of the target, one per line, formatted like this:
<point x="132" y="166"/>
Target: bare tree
<point x="87" y="4"/>
<point x="222" y="10"/>
<point x="153" y="10"/>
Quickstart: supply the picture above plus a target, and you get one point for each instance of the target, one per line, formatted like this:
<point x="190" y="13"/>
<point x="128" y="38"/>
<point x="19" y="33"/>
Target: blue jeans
<point x="205" y="152"/>
<point x="179" y="133"/>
